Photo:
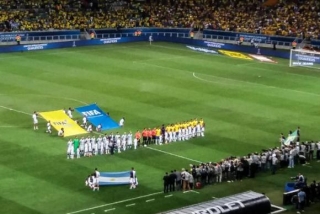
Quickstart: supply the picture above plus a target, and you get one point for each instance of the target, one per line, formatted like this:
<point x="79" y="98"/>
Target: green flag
<point x="291" y="138"/>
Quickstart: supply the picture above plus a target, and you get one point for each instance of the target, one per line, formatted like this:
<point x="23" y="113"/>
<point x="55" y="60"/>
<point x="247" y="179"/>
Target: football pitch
<point x="245" y="104"/>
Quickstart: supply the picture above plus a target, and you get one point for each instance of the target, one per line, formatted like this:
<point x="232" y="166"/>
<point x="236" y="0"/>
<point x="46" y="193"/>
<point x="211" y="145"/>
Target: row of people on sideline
<point x="236" y="168"/>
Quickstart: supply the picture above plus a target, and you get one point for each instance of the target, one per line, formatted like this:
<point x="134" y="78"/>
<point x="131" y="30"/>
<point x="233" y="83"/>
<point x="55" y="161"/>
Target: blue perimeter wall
<point x="187" y="41"/>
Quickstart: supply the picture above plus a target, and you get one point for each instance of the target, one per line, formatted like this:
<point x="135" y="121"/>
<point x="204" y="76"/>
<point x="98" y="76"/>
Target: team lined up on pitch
<point x="117" y="143"/>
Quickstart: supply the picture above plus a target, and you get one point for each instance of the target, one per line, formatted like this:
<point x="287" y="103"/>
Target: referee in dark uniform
<point x="166" y="181"/>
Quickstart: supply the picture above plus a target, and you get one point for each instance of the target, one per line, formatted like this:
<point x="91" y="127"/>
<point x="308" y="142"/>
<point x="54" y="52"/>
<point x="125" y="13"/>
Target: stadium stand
<point x="273" y="17"/>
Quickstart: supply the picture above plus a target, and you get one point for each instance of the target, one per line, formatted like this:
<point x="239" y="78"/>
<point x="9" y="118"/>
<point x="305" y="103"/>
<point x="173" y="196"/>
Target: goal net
<point x="304" y="58"/>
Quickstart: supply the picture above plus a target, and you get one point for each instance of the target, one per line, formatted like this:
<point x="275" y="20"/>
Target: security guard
<point x="18" y="39"/>
<point x="241" y="40"/>
<point x="92" y="35"/>
<point x="191" y="34"/>
<point x="294" y="45"/>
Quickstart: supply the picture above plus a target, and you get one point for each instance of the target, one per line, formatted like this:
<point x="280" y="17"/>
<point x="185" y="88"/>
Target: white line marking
<point x="10" y="109"/>
<point x="186" y="191"/>
<point x="117" y="202"/>
<point x="214" y="197"/>
<point x="8" y="126"/>
<point x="195" y="191"/>
<point x="150" y="200"/>
<point x="109" y="209"/>
<point x="130" y="205"/>
<point x="252" y="83"/>
<point x="46" y="95"/>
<point x="179" y="156"/>
<point x="167" y="196"/>
<point x="281" y="209"/>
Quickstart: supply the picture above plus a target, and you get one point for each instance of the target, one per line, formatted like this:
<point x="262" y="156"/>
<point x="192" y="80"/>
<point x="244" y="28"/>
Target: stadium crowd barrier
<point x="41" y="35"/>
<point x="179" y="32"/>
<point x="161" y="37"/>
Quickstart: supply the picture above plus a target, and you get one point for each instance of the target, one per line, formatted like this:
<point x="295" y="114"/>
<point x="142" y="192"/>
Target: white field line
<point x="246" y="64"/>
<point x="247" y="82"/>
<point x="281" y="209"/>
<point x="228" y="79"/>
<point x="195" y="191"/>
<point x="214" y="197"/>
<point x="167" y="196"/>
<point x="130" y="205"/>
<point x="117" y="202"/>
<point x="150" y="200"/>
<point x="8" y="126"/>
<point x="46" y="95"/>
<point x="179" y="156"/>
<point x="15" y="110"/>
<point x="109" y="209"/>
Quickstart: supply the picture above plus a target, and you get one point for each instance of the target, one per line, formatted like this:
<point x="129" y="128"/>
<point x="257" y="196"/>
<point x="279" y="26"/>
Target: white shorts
<point x="132" y="180"/>
<point x="35" y="121"/>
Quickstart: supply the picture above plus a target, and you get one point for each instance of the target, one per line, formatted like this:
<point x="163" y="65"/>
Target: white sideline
<point x="179" y="156"/>
<point x="252" y="83"/>
<point x="117" y="202"/>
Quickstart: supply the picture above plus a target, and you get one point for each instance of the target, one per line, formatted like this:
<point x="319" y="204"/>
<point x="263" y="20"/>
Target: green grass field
<point x="245" y="104"/>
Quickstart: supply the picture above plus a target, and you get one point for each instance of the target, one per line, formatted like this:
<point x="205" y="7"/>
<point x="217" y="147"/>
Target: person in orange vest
<point x="241" y="39"/>
<point x="294" y="45"/>
<point x="154" y="131"/>
<point x="149" y="133"/>
<point x="18" y="39"/>
<point x="191" y="34"/>
<point x="144" y="136"/>
<point x="92" y="35"/>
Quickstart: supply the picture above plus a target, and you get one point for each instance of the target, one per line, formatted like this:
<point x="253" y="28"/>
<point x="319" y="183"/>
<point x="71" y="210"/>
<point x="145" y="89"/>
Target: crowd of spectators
<point x="287" y="17"/>
<point x="233" y="169"/>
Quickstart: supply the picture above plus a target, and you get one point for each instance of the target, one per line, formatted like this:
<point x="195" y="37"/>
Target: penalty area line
<point x="117" y="202"/>
<point x="179" y="156"/>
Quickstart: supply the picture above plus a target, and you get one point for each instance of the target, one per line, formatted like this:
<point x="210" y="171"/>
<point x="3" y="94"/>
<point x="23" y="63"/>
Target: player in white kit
<point x="198" y="129"/>
<point x="150" y="39"/>
<point x="97" y="173"/>
<point x="124" y="141"/>
<point x="89" y="128"/>
<point x="129" y="140"/>
<point x="99" y="142"/>
<point x="121" y="122"/>
<point x="118" y="141"/>
<point x="35" y="120"/>
<point x="78" y="152"/>
<point x="98" y="128"/>
<point x="69" y="112"/>
<point x="86" y="149"/>
<point x="135" y="143"/>
<point x="84" y="122"/>
<point x="49" y="127"/>
<point x="133" y="179"/>
<point x="69" y="148"/>
<point x="81" y="146"/>
<point x="61" y="132"/>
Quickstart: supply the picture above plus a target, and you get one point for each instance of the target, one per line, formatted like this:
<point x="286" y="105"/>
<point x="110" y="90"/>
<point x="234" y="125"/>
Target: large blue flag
<point x="97" y="117"/>
<point x="114" y="178"/>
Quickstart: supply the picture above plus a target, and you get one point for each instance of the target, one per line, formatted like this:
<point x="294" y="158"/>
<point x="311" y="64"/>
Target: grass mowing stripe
<point x="117" y="202"/>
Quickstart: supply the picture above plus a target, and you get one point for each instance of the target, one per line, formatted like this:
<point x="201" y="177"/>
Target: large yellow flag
<point x="59" y="119"/>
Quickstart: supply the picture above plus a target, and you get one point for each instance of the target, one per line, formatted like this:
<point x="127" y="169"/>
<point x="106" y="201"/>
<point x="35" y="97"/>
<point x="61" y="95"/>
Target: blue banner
<point x="69" y="44"/>
<point x="40" y="35"/>
<point x="173" y="38"/>
<point x="97" y="117"/>
<point x="114" y="178"/>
